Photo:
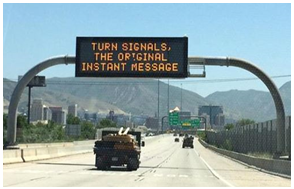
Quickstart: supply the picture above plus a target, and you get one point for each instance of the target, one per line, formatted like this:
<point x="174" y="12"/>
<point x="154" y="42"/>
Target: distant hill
<point x="101" y="95"/>
<point x="139" y="96"/>
<point x="257" y="105"/>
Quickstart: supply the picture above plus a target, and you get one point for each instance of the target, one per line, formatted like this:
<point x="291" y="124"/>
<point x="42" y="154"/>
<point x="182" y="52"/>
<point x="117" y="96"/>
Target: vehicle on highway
<point x="118" y="149"/>
<point x="175" y="134"/>
<point x="150" y="134"/>
<point x="181" y="134"/>
<point x="188" y="142"/>
<point x="177" y="140"/>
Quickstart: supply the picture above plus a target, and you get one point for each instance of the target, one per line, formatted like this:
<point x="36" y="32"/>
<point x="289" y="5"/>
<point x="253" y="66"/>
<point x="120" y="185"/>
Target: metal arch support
<point x="280" y="112"/>
<point x="21" y="85"/>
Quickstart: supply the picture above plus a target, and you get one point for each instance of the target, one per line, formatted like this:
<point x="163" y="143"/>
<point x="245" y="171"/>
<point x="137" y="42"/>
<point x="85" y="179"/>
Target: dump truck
<point x="118" y="149"/>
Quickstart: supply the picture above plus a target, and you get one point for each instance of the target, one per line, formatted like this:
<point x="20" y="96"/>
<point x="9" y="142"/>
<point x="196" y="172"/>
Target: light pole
<point x="181" y="99"/>
<point x="158" y="107"/>
<point x="29" y="104"/>
<point x="167" y="96"/>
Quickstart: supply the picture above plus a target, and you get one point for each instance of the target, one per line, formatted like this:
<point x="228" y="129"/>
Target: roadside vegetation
<point x="240" y="123"/>
<point x="53" y="132"/>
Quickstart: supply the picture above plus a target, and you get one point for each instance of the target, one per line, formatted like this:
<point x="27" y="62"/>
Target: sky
<point x="258" y="33"/>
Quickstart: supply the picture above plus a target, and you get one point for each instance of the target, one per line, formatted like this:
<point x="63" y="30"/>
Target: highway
<point x="163" y="163"/>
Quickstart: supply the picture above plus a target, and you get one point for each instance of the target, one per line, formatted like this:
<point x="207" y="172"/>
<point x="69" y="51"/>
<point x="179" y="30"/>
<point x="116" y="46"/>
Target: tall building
<point x="47" y="113"/>
<point x="58" y="115"/>
<point x="152" y="123"/>
<point x="37" y="110"/>
<point x="215" y="113"/>
<point x="91" y="116"/>
<point x="220" y="120"/>
<point x="73" y="110"/>
<point x="63" y="117"/>
<point x="110" y="116"/>
<point x="184" y="115"/>
<point x="206" y="120"/>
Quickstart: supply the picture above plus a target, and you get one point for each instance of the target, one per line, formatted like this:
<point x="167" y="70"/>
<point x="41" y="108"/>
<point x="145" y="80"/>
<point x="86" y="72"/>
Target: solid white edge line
<point x="213" y="171"/>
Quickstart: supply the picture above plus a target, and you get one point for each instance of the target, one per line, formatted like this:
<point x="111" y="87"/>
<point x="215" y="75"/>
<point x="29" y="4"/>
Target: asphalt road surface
<point x="163" y="163"/>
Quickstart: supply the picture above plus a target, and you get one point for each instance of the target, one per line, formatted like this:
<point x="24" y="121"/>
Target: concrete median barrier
<point x="41" y="151"/>
<point x="12" y="156"/>
<point x="45" y="145"/>
<point x="34" y="152"/>
<point x="272" y="165"/>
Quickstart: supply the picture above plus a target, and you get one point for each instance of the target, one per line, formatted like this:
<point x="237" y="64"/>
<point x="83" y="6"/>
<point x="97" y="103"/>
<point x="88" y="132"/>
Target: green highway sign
<point x="190" y="123"/>
<point x="173" y="118"/>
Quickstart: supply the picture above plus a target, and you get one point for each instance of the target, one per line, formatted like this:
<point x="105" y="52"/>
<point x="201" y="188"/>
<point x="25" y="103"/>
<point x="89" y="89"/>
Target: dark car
<point x="177" y="140"/>
<point x="175" y="134"/>
<point x="188" y="142"/>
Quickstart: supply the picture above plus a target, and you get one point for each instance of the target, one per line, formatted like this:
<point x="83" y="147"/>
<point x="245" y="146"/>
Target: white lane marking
<point x="214" y="172"/>
<point x="157" y="175"/>
<point x="171" y="175"/>
<point x="134" y="174"/>
<point x="183" y="176"/>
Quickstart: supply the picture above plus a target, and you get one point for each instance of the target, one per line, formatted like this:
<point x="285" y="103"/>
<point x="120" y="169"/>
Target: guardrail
<point x="273" y="165"/>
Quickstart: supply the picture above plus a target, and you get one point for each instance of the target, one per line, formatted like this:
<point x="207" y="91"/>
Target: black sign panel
<point x="132" y="57"/>
<point x="37" y="81"/>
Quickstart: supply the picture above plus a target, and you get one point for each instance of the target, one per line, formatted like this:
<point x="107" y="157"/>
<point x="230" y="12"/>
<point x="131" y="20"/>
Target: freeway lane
<point x="163" y="163"/>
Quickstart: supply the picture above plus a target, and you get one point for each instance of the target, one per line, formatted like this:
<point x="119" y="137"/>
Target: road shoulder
<point x="238" y="174"/>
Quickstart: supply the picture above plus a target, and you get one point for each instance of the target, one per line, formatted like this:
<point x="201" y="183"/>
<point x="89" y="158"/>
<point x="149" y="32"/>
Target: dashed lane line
<point x="103" y="173"/>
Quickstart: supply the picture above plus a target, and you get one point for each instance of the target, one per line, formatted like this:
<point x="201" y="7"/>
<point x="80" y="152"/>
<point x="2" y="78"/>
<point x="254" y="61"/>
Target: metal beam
<point x="280" y="112"/>
<point x="21" y="85"/>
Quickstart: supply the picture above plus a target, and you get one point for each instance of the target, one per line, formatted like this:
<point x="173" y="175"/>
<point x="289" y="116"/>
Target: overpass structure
<point x="208" y="61"/>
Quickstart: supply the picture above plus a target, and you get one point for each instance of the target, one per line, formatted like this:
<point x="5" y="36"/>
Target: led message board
<point x="132" y="57"/>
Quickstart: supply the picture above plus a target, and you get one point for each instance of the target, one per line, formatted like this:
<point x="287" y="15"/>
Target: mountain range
<point x="140" y="96"/>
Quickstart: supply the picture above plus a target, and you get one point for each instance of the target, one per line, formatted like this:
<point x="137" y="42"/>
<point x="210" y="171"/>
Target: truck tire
<point x="192" y="146"/>
<point x="100" y="164"/>
<point x="133" y="164"/>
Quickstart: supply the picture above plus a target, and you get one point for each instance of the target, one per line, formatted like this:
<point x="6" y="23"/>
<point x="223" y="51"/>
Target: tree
<point x="87" y="130"/>
<point x="22" y="121"/>
<point x="106" y="123"/>
<point x="244" y="122"/>
<point x="229" y="126"/>
<point x="40" y="132"/>
<point x="71" y="119"/>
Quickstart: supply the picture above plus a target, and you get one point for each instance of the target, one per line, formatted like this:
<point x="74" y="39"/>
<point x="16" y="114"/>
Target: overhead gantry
<point x="207" y="61"/>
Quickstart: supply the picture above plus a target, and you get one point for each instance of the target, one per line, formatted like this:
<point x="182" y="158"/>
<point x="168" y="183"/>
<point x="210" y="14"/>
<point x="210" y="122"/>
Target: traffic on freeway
<point x="164" y="162"/>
